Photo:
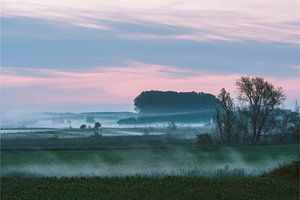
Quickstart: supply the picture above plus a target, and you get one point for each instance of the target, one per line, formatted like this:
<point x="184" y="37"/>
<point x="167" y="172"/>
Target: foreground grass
<point x="282" y="183"/>
<point x="290" y="171"/>
<point x="149" y="188"/>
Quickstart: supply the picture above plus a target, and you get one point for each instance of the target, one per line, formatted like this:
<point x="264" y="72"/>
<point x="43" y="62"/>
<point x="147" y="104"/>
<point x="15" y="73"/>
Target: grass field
<point x="178" y="172"/>
<point x="179" y="160"/>
<point x="149" y="188"/>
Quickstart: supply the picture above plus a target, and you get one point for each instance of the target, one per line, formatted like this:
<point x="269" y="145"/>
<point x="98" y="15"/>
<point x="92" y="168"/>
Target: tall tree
<point x="260" y="98"/>
<point x="225" y="116"/>
<point x="242" y="124"/>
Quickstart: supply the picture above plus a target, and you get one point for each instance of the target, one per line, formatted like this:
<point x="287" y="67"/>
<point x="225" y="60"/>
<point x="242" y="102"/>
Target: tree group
<point x="149" y="102"/>
<point x="258" y="113"/>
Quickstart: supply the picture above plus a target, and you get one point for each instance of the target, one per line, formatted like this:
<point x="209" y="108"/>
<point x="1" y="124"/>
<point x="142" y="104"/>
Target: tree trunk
<point x="254" y="133"/>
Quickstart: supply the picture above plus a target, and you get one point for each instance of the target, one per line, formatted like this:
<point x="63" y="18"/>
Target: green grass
<point x="149" y="188"/>
<point x="250" y="153"/>
<point x="193" y="160"/>
<point x="19" y="185"/>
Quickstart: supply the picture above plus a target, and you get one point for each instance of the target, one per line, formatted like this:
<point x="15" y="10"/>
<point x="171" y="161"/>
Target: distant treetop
<point x="172" y="102"/>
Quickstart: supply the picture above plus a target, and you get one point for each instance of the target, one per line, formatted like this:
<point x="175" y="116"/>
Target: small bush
<point x="205" y="139"/>
<point x="83" y="126"/>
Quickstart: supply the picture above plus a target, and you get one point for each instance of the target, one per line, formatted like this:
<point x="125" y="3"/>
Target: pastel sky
<point x="96" y="55"/>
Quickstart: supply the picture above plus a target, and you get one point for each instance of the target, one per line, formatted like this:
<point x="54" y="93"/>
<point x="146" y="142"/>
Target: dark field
<point x="149" y="188"/>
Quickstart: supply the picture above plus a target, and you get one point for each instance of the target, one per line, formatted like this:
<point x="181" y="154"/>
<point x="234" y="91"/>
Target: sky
<point x="96" y="55"/>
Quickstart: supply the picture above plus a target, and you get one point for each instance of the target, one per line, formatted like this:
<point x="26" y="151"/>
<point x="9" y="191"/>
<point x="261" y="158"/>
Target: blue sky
<point x="176" y="42"/>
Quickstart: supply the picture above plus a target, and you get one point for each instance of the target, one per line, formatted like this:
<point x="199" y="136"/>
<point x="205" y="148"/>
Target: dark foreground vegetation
<point x="281" y="183"/>
<point x="149" y="188"/>
<point x="290" y="171"/>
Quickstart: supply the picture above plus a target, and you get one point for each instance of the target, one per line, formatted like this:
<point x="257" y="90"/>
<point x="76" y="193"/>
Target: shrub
<point x="204" y="139"/>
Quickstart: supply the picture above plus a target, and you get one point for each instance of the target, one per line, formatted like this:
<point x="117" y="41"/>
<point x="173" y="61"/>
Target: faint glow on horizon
<point x="116" y="85"/>
<point x="194" y="20"/>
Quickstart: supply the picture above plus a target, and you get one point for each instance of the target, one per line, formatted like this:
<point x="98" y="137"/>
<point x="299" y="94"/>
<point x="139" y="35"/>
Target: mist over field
<point x="108" y="119"/>
<point x="56" y="120"/>
<point x="149" y="99"/>
<point x="143" y="149"/>
<point x="177" y="162"/>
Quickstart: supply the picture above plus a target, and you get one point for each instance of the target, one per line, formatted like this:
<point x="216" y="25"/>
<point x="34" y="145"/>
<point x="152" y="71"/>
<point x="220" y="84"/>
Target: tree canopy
<point x="257" y="115"/>
<point x="172" y="102"/>
<point x="260" y="98"/>
<point x="225" y="116"/>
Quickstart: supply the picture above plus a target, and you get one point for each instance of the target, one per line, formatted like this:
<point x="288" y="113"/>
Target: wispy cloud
<point x="226" y="20"/>
<point x="115" y="85"/>
<point x="297" y="67"/>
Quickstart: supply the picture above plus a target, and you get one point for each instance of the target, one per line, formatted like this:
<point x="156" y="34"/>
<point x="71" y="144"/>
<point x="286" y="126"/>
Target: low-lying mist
<point x="177" y="163"/>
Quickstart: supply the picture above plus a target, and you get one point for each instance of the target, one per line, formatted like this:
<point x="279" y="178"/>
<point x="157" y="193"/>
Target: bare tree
<point x="242" y="124"/>
<point x="225" y="116"/>
<point x="295" y="119"/>
<point x="219" y="123"/>
<point x="260" y="98"/>
<point x="288" y="127"/>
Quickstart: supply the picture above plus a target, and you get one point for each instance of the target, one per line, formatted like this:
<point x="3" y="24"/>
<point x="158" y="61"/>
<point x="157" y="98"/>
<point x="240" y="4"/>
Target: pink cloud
<point x="229" y="20"/>
<point x="116" y="85"/>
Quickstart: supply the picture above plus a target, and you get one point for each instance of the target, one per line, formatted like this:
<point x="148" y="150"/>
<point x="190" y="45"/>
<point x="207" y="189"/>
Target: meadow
<point x="185" y="160"/>
<point x="182" y="171"/>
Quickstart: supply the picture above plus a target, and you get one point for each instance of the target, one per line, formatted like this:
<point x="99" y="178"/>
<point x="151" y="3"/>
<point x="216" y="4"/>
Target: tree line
<point x="172" y="102"/>
<point x="257" y="113"/>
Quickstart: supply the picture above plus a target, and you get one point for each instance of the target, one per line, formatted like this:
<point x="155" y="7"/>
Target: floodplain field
<point x="136" y="168"/>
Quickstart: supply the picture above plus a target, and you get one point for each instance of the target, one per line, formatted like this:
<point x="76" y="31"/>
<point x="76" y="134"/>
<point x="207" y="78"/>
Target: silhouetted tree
<point x="225" y="116"/>
<point x="295" y="120"/>
<point x="83" y="126"/>
<point x="171" y="102"/>
<point x="242" y="124"/>
<point x="284" y="125"/>
<point x="259" y="98"/>
<point x="97" y="125"/>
